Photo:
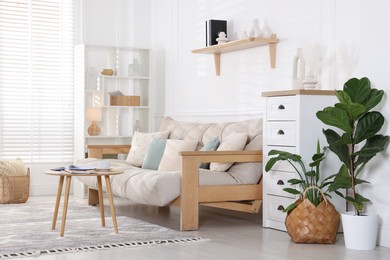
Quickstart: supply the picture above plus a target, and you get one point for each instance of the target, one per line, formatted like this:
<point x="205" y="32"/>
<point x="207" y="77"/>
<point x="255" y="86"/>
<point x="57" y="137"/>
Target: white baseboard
<point x="76" y="188"/>
<point x="384" y="237"/>
<point x="43" y="189"/>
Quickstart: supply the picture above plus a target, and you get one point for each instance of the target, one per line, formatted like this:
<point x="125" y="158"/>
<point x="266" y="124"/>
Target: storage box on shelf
<point x="125" y="100"/>
<point x="92" y="89"/>
<point x="291" y="125"/>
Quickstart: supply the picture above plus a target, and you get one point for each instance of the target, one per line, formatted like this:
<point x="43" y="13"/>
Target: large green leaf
<point x="372" y="146"/>
<point x="368" y="126"/>
<point x="295" y="181"/>
<point x="340" y="194"/>
<point x="342" y="180"/>
<point x="374" y="98"/>
<point x="310" y="173"/>
<point x="291" y="207"/>
<point x="358" y="89"/>
<point x="354" y="110"/>
<point x="281" y="156"/>
<point x="337" y="146"/>
<point x="346" y="138"/>
<point x="337" y="117"/>
<point x="358" y="201"/>
<point x="343" y="97"/>
<point x="271" y="162"/>
<point x="292" y="191"/>
<point x="317" y="159"/>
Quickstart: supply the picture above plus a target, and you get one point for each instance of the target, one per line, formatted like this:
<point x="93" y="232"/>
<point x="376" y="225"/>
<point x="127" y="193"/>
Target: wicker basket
<point x="14" y="189"/>
<point x="310" y="224"/>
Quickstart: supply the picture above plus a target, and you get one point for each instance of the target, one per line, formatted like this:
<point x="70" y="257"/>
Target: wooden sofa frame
<point x="244" y="198"/>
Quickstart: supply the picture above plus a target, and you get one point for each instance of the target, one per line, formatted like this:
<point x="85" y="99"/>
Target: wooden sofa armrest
<point x="97" y="151"/>
<point x="189" y="181"/>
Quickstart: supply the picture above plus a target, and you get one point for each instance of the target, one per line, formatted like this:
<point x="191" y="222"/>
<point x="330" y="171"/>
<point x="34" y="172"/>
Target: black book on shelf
<point x="213" y="28"/>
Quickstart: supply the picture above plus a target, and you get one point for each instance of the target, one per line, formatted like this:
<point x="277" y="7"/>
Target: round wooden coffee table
<point x="98" y="175"/>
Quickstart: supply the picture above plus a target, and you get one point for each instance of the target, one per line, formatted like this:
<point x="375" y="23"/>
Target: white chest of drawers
<point x="290" y="124"/>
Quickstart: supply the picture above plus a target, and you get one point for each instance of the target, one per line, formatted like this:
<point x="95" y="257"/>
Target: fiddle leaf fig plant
<point x="359" y="127"/>
<point x="307" y="177"/>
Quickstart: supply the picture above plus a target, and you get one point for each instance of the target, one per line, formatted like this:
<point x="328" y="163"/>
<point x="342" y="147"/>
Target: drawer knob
<point x="280" y="208"/>
<point x="280" y="132"/>
<point x="280" y="182"/>
<point x="281" y="107"/>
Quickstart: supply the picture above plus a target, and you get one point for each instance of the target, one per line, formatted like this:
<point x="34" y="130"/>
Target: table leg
<point x="59" y="191"/>
<point x="111" y="200"/>
<point x="66" y="200"/>
<point x="100" y="195"/>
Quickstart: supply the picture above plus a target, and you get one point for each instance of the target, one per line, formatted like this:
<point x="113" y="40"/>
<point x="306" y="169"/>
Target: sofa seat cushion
<point x="152" y="187"/>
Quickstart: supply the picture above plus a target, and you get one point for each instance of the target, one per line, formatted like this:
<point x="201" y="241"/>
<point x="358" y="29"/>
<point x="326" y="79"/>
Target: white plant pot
<point x="360" y="232"/>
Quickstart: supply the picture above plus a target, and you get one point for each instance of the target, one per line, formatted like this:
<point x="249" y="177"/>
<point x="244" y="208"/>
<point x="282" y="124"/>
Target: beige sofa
<point x="238" y="188"/>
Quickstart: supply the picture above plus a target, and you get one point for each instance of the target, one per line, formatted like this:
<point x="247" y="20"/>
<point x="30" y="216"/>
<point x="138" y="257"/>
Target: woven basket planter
<point x="14" y="189"/>
<point x="310" y="224"/>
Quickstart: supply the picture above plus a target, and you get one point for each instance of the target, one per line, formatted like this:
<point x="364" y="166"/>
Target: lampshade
<point x="94" y="114"/>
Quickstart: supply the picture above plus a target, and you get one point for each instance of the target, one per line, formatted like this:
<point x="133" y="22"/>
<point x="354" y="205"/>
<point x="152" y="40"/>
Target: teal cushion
<point x="154" y="153"/>
<point x="211" y="145"/>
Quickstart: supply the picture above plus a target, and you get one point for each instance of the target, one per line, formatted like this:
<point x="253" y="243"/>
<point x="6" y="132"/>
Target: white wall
<point x="352" y="30"/>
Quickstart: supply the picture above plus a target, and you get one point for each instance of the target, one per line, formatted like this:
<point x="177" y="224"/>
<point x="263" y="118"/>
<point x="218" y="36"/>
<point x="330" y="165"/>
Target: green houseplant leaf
<point x="337" y="145"/>
<point x="356" y="101"/>
<point x="368" y="126"/>
<point x="335" y="117"/>
<point x="307" y="178"/>
<point x="353" y="110"/>
<point x="374" y="99"/>
<point x="372" y="146"/>
<point x="358" y="90"/>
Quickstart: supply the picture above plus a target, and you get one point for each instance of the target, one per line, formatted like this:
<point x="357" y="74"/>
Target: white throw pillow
<point x="233" y="142"/>
<point x="140" y="144"/>
<point x="171" y="160"/>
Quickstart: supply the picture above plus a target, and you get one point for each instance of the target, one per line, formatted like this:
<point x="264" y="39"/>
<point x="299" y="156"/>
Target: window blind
<point x="36" y="80"/>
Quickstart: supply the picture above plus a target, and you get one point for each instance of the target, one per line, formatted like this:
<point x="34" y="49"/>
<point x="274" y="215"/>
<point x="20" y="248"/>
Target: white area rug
<point x="25" y="230"/>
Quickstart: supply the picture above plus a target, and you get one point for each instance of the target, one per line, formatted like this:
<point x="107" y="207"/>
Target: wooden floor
<point x="231" y="236"/>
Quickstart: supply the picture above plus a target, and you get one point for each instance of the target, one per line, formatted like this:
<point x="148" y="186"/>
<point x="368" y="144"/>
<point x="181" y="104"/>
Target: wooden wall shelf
<point x="240" y="45"/>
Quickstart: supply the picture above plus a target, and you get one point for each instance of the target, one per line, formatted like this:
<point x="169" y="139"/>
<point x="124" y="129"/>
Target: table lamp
<point x="94" y="114"/>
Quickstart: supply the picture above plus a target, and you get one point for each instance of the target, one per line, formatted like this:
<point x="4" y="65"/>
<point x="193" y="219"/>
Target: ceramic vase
<point x="255" y="30"/>
<point x="298" y="70"/>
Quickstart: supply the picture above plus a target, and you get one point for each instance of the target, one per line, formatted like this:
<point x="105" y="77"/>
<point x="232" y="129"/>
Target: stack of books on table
<point x="77" y="168"/>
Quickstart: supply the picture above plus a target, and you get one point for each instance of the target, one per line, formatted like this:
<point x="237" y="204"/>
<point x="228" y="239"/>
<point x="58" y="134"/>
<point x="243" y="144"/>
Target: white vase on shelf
<point x="256" y="31"/>
<point x="137" y="127"/>
<point x="298" y="70"/>
<point x="310" y="81"/>
<point x="266" y="29"/>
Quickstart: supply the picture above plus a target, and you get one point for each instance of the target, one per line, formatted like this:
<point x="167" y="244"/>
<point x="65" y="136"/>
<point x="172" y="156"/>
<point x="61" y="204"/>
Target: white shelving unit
<point x="131" y="76"/>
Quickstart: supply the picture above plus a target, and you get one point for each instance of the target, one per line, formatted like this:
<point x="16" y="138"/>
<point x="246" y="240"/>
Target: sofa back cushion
<point x="154" y="153"/>
<point x="140" y="144"/>
<point x="232" y="142"/>
<point x="203" y="132"/>
<point x="171" y="159"/>
<point x="241" y="172"/>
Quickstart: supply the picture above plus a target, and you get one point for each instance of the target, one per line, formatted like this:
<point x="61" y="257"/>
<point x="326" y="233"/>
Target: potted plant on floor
<point x="359" y="128"/>
<point x="312" y="218"/>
